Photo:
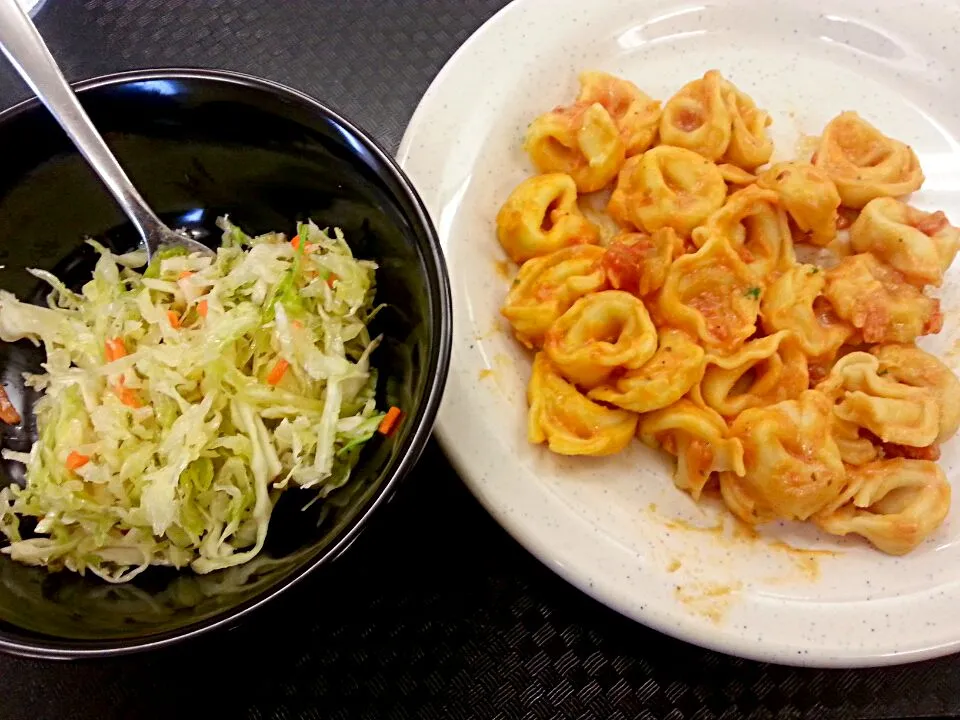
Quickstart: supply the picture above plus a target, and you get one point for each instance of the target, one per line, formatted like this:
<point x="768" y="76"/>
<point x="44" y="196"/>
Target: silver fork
<point x="25" y="49"/>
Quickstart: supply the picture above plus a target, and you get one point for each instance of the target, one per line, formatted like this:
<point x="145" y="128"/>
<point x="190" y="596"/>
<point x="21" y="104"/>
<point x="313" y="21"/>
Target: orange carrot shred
<point x="331" y="279"/>
<point x="297" y="324"/>
<point x="76" y="460"/>
<point x="309" y="247"/>
<point x="390" y="421"/>
<point x="185" y="274"/>
<point x="174" y="319"/>
<point x="8" y="413"/>
<point x="127" y="396"/>
<point x="202" y="308"/>
<point x="277" y="372"/>
<point x="115" y="349"/>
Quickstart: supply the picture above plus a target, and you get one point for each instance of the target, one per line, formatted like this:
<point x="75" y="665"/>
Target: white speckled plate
<point x="616" y="527"/>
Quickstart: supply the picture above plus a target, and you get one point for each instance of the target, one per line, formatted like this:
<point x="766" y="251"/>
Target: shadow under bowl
<point x="199" y="144"/>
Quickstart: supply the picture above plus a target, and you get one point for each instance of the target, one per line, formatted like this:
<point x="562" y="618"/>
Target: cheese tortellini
<point x="762" y="372"/>
<point x="698" y="117"/>
<point x="665" y="378"/>
<point x="713" y="295"/>
<point x="736" y="176"/>
<point x="638" y="262"/>
<point x="600" y="333"/>
<point x="879" y="302"/>
<point x="795" y="302"/>
<point x="667" y="187"/>
<point x="546" y="287"/>
<point x="756" y="227"/>
<point x="713" y="118"/>
<point x="856" y="448"/>
<point x="570" y="424"/>
<point x="875" y="400"/>
<point x="582" y="141"/>
<point x="809" y="196"/>
<point x="634" y="112"/>
<point x="864" y="163"/>
<point x="919" y="245"/>
<point x="540" y="216"/>
<point x="912" y="366"/>
<point x="750" y="146"/>
<point x="754" y="321"/>
<point x="793" y="465"/>
<point x="700" y="440"/>
<point x="894" y="504"/>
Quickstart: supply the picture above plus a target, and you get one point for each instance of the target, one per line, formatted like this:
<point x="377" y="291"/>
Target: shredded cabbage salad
<point x="178" y="403"/>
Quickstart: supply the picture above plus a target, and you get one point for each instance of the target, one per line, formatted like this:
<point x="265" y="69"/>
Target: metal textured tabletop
<point x="436" y="612"/>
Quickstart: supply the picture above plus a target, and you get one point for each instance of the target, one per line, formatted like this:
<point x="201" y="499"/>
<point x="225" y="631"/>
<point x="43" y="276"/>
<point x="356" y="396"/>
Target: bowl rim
<point x="64" y="649"/>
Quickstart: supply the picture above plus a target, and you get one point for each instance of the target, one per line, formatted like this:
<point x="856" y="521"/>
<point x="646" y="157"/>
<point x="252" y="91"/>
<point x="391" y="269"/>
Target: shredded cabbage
<point x="179" y="403"/>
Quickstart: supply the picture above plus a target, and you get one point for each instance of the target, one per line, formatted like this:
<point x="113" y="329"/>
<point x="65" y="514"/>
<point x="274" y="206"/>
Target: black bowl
<point x="199" y="144"/>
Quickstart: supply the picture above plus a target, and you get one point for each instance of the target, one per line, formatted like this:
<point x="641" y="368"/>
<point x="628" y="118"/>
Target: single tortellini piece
<point x="541" y="216"/>
<point x="912" y="366"/>
<point x="581" y="141"/>
<point x="793" y="466"/>
<point x="794" y="302"/>
<point x="877" y="401"/>
<point x="635" y="113"/>
<point x="699" y="117"/>
<point x="877" y="300"/>
<point x="864" y="163"/>
<point x="894" y="504"/>
<point x="600" y="333"/>
<point x="713" y="118"/>
<point x="594" y="208"/>
<point x="750" y="145"/>
<point x="735" y="176"/>
<point x="855" y="448"/>
<point x="546" y="287"/>
<point x="809" y="196"/>
<point x="700" y="440"/>
<point x="919" y="244"/>
<point x="567" y="421"/>
<point x="667" y="187"/>
<point x="638" y="263"/>
<point x="665" y="378"/>
<point x="762" y="372"/>
<point x="712" y="295"/>
<point x="756" y="227"/>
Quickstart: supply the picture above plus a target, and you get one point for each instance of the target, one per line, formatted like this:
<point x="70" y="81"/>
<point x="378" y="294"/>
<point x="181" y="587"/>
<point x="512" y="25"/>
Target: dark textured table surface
<point x="436" y="612"/>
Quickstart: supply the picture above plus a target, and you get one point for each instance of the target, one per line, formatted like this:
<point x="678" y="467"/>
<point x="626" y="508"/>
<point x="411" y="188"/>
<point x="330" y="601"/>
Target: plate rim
<point x="535" y="542"/>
